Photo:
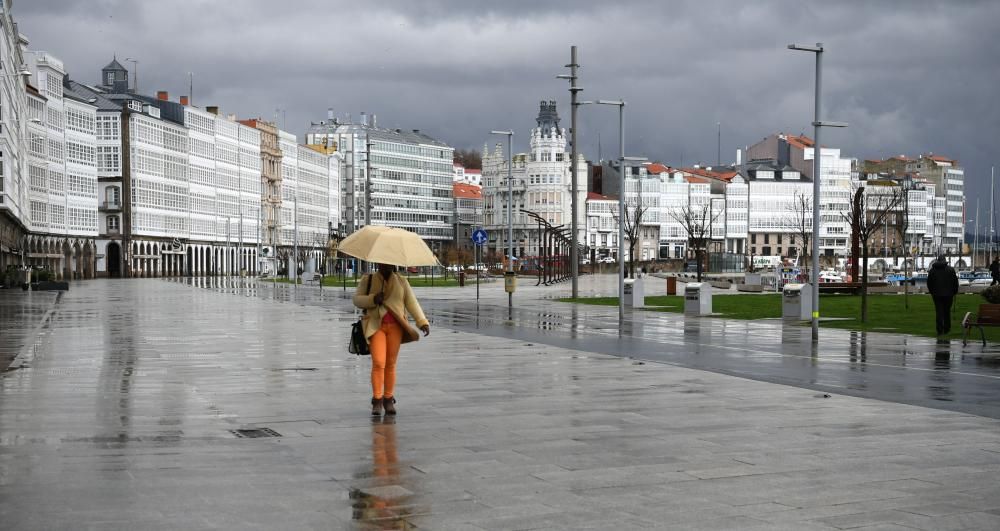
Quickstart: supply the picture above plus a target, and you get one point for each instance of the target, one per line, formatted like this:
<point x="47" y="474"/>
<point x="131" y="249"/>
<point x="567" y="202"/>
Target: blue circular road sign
<point x="479" y="236"/>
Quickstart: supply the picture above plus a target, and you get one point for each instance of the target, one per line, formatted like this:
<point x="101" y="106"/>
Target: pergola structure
<point x="554" y="245"/>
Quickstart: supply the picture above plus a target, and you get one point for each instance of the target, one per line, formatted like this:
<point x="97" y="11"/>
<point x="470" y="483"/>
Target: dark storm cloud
<point x="909" y="76"/>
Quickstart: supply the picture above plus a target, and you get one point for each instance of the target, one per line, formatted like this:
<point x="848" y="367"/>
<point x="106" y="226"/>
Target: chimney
<point x="184" y="100"/>
<point x="162" y="95"/>
<point x="329" y="113"/>
<point x="364" y="118"/>
<point x="373" y="120"/>
<point x="214" y="109"/>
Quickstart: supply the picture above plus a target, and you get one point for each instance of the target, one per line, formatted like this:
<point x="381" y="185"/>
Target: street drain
<point x="255" y="433"/>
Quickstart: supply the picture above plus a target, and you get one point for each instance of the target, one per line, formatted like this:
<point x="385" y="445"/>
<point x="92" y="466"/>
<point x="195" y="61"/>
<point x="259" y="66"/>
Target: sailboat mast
<point x="975" y="241"/>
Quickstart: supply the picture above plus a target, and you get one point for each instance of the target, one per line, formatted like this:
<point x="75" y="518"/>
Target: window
<point x="56" y="151"/>
<point x="107" y="159"/>
<point x="107" y="127"/>
<point x="111" y="79"/>
<point x="112" y="195"/>
<point x="113" y="223"/>
<point x="55" y="119"/>
<point x="80" y="121"/>
<point x="53" y="85"/>
<point x="80" y="153"/>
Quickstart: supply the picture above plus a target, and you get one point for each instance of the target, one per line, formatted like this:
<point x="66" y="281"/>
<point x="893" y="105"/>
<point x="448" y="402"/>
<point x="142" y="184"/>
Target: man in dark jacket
<point x="942" y="283"/>
<point x="995" y="271"/>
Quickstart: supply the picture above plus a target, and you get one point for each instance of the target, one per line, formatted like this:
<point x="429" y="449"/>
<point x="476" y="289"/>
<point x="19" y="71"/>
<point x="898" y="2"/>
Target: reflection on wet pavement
<point x="385" y="503"/>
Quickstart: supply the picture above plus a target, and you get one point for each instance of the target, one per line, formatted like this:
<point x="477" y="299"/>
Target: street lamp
<point x="510" y="213"/>
<point x="573" y="90"/>
<point x="817" y="124"/>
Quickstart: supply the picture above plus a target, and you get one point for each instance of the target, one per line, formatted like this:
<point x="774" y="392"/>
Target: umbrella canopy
<point x="387" y="245"/>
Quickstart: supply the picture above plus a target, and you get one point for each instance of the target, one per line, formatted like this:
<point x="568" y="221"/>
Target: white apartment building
<point x="62" y="173"/>
<point x="467" y="175"/>
<point x="541" y="183"/>
<point x="835" y="183"/>
<point x="410" y="181"/>
<point x="602" y="226"/>
<point x="15" y="207"/>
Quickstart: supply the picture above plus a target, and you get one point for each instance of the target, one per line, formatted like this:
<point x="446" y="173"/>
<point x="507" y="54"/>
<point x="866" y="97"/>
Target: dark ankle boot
<point x="388" y="403"/>
<point x="376" y="406"/>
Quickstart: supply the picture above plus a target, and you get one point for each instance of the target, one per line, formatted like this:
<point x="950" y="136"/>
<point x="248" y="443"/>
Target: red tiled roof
<point x="466" y="191"/>
<point x="939" y="158"/>
<point x="725" y="176"/>
<point x="800" y="141"/>
<point x="473" y="171"/>
<point x="697" y="180"/>
<point x="591" y="196"/>
<point x="657" y="168"/>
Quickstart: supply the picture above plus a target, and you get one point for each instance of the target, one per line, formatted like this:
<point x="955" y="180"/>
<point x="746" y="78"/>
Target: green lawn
<point x="886" y="313"/>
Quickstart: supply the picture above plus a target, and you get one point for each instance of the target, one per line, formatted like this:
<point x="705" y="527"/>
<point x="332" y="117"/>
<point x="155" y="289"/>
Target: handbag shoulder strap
<point x="368" y="290"/>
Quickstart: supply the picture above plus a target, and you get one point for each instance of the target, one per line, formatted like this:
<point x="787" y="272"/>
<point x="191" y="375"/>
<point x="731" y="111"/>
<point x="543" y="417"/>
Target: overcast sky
<point x="909" y="76"/>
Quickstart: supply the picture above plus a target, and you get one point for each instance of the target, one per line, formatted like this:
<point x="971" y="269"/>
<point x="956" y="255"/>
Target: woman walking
<point x="387" y="298"/>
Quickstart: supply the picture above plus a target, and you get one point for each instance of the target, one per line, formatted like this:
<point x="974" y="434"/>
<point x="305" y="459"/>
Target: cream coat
<point x="399" y="299"/>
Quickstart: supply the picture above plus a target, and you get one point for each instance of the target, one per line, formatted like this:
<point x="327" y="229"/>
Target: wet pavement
<point x="22" y="313"/>
<point x="151" y="404"/>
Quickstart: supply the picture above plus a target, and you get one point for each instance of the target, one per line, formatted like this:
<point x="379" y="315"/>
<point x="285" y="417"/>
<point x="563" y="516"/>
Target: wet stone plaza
<point x="230" y="404"/>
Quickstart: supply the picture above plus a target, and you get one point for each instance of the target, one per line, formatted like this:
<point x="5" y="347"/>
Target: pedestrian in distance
<point x="995" y="271"/>
<point x="387" y="298"/>
<point x="942" y="283"/>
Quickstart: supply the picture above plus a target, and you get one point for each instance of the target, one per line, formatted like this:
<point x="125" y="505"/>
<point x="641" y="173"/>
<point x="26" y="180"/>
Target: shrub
<point x="42" y="275"/>
<point x="992" y="294"/>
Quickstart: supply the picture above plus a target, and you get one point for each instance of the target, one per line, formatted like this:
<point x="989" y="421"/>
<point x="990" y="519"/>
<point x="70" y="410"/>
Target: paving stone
<point x="122" y="418"/>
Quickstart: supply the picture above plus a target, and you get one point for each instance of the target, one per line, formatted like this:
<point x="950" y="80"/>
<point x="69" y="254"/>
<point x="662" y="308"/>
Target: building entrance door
<point x="114" y="260"/>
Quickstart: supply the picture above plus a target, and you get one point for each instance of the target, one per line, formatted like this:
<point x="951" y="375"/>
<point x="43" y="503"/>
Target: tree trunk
<point x="906" y="279"/>
<point x="698" y="257"/>
<point x="631" y="259"/>
<point x="864" y="283"/>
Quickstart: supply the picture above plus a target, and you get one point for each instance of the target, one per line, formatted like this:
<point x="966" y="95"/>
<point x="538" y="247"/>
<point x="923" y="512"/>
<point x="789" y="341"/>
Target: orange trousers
<point x="384" y="347"/>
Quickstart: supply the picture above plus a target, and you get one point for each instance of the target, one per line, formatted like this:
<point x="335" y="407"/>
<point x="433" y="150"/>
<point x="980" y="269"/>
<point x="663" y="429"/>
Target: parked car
<point x="585" y="261"/>
<point x="606" y="260"/>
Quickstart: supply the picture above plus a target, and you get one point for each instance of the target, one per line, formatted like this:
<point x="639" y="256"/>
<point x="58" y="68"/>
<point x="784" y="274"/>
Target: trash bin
<point x="671" y="285"/>
<point x="461" y="279"/>
<point x="697" y="299"/>
<point x="796" y="302"/>
<point x="635" y="294"/>
<point x="509" y="281"/>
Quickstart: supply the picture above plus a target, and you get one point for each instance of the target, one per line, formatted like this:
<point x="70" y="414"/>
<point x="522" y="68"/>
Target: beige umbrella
<point x="387" y="245"/>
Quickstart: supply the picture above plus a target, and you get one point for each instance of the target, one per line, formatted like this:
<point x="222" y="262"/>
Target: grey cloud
<point x="910" y="76"/>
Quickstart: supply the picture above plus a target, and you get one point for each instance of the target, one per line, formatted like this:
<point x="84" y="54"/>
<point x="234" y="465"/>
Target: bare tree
<point x="798" y="218"/>
<point x="634" y="212"/>
<point x="696" y="221"/>
<point x="904" y="226"/>
<point x="867" y="214"/>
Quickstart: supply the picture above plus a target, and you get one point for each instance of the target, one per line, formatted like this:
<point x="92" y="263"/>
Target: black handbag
<point x="359" y="344"/>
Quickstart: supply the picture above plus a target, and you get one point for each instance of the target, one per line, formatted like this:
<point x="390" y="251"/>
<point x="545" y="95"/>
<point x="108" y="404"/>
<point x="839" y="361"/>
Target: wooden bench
<point x="989" y="315"/>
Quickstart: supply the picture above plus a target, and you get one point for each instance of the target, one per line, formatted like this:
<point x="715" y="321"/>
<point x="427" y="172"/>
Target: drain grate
<point x="255" y="433"/>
